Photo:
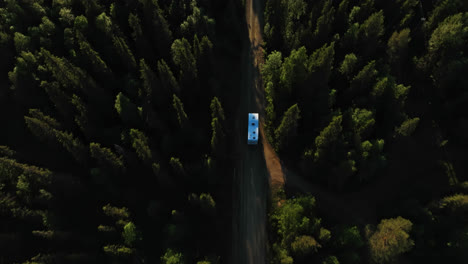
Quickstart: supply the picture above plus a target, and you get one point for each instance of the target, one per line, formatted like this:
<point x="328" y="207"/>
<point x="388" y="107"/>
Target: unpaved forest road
<point x="258" y="165"/>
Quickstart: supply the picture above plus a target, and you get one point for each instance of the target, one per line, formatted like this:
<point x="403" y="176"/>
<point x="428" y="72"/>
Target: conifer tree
<point x="288" y="127"/>
<point x="183" y="57"/>
<point x="168" y="81"/>
<point x="126" y="109"/>
<point x="106" y="158"/>
<point x="178" y="106"/>
<point x="139" y="142"/>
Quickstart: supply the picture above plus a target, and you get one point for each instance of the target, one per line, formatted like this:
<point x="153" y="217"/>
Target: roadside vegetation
<point x="368" y="97"/>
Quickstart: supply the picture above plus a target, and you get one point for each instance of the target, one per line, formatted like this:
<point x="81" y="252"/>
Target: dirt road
<point x="258" y="165"/>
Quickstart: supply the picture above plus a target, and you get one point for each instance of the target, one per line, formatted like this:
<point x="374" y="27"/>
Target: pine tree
<point x="348" y="65"/>
<point x="81" y="24"/>
<point x="104" y="24"/>
<point x="179" y="109"/>
<point x="22" y="42"/>
<point x="140" y="144"/>
<point x="364" y="79"/>
<point x="168" y="81"/>
<point x="126" y="109"/>
<point x="324" y="22"/>
<point x="294" y="70"/>
<point x="124" y="52"/>
<point x="149" y="81"/>
<point x="106" y="158"/>
<point x="216" y="109"/>
<point x="286" y="131"/>
<point x="177" y="166"/>
<point x="183" y="57"/>
<point x="328" y="140"/>
<point x="98" y="65"/>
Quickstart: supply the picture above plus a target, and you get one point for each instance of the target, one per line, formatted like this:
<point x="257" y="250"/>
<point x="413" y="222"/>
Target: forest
<point x="118" y="118"/>
<point x="114" y="119"/>
<point x="364" y="99"/>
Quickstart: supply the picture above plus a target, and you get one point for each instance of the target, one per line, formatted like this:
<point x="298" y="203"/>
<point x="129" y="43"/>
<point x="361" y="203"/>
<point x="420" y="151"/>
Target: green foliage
<point x="321" y="63"/>
<point x="304" y="246"/>
<point x="294" y="69"/>
<point x="328" y="138"/>
<point x="5" y="151"/>
<point x="271" y="70"/>
<point x="81" y="23"/>
<point x="47" y="27"/>
<point x="380" y="87"/>
<point x="115" y="212"/>
<point x="353" y="14"/>
<point x="365" y="78"/>
<point x="127" y="110"/>
<point x="398" y="44"/>
<point x="182" y="117"/>
<point x="295" y="218"/>
<point x="390" y="240"/>
<point x="183" y="57"/>
<point x="68" y="75"/>
<point x="288" y="127"/>
<point x="197" y="22"/>
<point x="81" y="117"/>
<point x="36" y="113"/>
<point x="106" y="158"/>
<point x="295" y="11"/>
<point x="99" y="66"/>
<point x="408" y="127"/>
<point x="449" y="35"/>
<point x="324" y="235"/>
<point x="172" y="257"/>
<point x="22" y="42"/>
<point x="216" y="109"/>
<point x="156" y="168"/>
<point x="149" y="80"/>
<point x="217" y="134"/>
<point x="47" y="128"/>
<point x="117" y="251"/>
<point x="124" y="52"/>
<point x="457" y="203"/>
<point x="106" y="229"/>
<point x="373" y="27"/>
<point x="130" y="234"/>
<point x="66" y="16"/>
<point x="205" y="201"/>
<point x="442" y="10"/>
<point x="104" y="23"/>
<point x="349" y="237"/>
<point x="348" y="65"/>
<point x="270" y="110"/>
<point x="351" y="35"/>
<point x="363" y="122"/>
<point x="330" y="260"/>
<point x="140" y="144"/>
<point x="177" y="166"/>
<point x="135" y="24"/>
<point x="71" y="62"/>
<point x="325" y="22"/>
<point x="168" y="81"/>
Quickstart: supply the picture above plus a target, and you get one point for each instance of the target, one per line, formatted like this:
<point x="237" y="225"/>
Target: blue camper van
<point x="252" y="133"/>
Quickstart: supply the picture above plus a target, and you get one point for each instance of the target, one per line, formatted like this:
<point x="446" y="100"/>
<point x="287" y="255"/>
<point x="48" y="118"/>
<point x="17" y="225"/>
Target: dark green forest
<point x="114" y="116"/>
<point x="117" y="119"/>
<point x="366" y="100"/>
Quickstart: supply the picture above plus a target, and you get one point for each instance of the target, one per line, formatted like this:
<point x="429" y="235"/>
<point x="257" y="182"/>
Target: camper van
<point x="252" y="131"/>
